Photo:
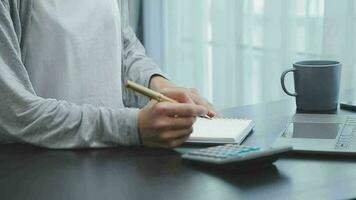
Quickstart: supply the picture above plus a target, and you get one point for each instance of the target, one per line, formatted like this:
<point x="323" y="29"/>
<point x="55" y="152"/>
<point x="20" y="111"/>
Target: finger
<point x="176" y="123"/>
<point x="152" y="102"/>
<point x="179" y="94"/>
<point x="185" y="110"/>
<point x="176" y="134"/>
<point x="212" y="113"/>
<point x="193" y="90"/>
<point x="201" y="101"/>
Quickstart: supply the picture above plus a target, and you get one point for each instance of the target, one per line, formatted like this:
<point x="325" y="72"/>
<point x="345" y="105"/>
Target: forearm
<point x="59" y="124"/>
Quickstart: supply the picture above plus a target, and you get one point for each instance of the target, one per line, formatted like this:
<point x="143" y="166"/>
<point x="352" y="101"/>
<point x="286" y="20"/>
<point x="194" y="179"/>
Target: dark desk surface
<point x="27" y="172"/>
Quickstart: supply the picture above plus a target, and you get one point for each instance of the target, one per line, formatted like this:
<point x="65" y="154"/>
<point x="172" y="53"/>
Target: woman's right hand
<point x="167" y="125"/>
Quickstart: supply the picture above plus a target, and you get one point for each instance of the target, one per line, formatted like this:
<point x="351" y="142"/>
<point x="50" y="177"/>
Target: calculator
<point x="234" y="155"/>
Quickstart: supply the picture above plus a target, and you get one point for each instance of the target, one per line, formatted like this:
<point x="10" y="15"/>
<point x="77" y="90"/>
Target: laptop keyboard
<point x="347" y="138"/>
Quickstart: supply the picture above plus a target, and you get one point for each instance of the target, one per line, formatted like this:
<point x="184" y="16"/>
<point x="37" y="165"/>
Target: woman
<point x="62" y="65"/>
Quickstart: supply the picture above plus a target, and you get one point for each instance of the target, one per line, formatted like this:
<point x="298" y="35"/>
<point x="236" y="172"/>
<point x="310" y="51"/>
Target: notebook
<point x="220" y="130"/>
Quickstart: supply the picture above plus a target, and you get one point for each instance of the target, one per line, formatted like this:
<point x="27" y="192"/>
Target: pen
<point x="152" y="94"/>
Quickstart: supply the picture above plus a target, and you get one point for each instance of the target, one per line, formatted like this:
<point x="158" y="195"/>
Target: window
<point x="234" y="51"/>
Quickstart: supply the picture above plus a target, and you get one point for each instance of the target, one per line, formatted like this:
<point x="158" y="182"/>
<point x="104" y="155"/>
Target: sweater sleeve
<point x="137" y="66"/>
<point x="52" y="123"/>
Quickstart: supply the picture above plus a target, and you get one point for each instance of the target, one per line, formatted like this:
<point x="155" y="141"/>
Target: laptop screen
<point x="312" y="130"/>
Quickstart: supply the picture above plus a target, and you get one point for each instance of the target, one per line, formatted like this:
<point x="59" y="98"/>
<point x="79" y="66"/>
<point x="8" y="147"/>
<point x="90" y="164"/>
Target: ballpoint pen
<point x="152" y="94"/>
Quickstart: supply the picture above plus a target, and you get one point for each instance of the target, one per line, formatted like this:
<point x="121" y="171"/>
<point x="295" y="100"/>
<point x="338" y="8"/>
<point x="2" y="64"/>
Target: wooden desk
<point x="27" y="172"/>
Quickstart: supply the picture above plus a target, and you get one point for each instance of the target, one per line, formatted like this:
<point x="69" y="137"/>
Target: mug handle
<point x="283" y="80"/>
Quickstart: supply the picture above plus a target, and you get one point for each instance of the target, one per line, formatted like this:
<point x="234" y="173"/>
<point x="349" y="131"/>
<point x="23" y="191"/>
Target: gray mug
<point x="317" y="85"/>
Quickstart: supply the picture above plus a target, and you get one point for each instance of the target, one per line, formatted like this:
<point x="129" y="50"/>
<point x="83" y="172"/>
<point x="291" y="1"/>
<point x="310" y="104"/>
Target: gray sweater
<point x="62" y="68"/>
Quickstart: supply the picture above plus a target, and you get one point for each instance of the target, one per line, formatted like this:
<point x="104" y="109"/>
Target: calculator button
<point x="255" y="148"/>
<point x="344" y="140"/>
<point x="244" y="151"/>
<point x="345" y="136"/>
<point x="342" y="145"/>
<point x="347" y="130"/>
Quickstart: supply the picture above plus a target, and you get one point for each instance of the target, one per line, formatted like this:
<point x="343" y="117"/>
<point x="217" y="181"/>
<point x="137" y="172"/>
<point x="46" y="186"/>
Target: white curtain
<point x="134" y="11"/>
<point x="234" y="51"/>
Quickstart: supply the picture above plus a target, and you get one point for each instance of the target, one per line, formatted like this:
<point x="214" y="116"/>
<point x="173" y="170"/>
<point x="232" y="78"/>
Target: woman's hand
<point x="163" y="85"/>
<point x="168" y="125"/>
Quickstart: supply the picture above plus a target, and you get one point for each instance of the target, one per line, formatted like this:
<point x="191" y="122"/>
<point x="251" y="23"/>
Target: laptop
<point x="315" y="133"/>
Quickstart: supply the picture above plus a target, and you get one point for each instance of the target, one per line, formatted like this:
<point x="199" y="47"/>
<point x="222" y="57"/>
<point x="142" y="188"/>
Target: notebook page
<point x="218" y="129"/>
